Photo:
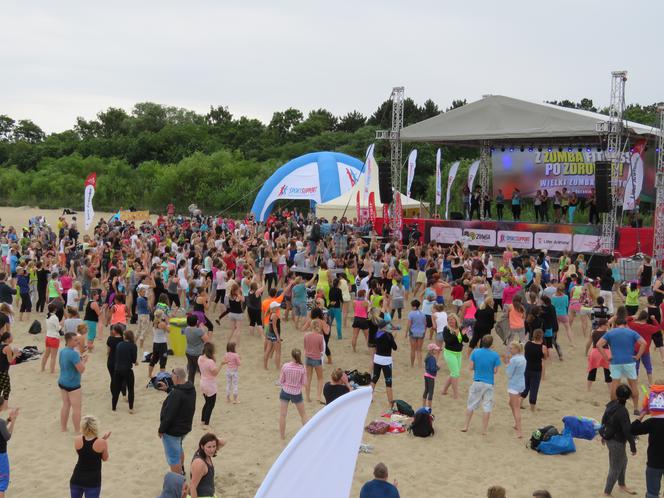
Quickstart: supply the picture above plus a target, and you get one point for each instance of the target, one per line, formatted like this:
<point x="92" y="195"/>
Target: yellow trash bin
<point x="176" y="339"/>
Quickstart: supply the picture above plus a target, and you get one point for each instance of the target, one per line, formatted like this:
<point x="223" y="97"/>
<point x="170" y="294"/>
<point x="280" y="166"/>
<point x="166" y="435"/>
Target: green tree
<point x="6" y="127"/>
<point x="351" y="122"/>
<point x="27" y="131"/>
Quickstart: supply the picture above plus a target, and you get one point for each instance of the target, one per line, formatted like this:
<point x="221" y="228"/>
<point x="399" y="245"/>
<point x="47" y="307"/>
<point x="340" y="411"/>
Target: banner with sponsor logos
<point x="134" y="215"/>
<point x="88" y="194"/>
<point x="372" y="209"/>
<point x="554" y="168"/>
<point x="528" y="236"/>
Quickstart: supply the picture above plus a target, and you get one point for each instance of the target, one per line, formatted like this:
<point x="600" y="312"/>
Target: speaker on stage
<point x="385" y="184"/>
<point x="456" y="215"/>
<point x="598" y="265"/>
<point x="602" y="184"/>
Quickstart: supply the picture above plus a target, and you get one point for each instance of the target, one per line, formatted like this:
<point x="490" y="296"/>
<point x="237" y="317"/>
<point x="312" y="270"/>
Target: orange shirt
<point x="265" y="307"/>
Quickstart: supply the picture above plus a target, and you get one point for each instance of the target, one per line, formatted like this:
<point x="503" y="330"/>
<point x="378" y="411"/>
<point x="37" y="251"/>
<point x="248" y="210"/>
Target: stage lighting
<point x="502" y="149"/>
<point x="539" y="149"/>
<point x="569" y="149"/>
<point x="587" y="149"/>
<point x="530" y="149"/>
<point x="657" y="150"/>
<point x="560" y="149"/>
<point x="492" y="149"/>
<point x="521" y="149"/>
<point x="549" y="149"/>
<point x="511" y="149"/>
<point x="579" y="149"/>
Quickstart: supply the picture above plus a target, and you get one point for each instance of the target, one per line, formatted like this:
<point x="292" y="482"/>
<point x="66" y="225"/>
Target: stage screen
<point x="552" y="169"/>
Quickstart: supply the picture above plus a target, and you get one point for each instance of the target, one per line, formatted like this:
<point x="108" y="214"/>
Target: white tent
<point x="347" y="203"/>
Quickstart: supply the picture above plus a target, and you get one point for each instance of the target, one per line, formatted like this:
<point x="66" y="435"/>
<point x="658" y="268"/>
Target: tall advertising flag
<point x="368" y="166"/>
<point x="439" y="190"/>
<point x="372" y="209"/>
<point x="90" y="185"/>
<point x="450" y="179"/>
<point x="412" y="162"/>
<point x="472" y="173"/>
<point x="358" y="208"/>
<point x="386" y="215"/>
<point x="398" y="216"/>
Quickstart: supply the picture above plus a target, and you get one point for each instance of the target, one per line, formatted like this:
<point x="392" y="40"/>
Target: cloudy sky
<point x="73" y="58"/>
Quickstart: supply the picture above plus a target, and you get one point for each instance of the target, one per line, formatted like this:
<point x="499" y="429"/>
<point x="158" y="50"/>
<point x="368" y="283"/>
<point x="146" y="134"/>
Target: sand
<point x="450" y="464"/>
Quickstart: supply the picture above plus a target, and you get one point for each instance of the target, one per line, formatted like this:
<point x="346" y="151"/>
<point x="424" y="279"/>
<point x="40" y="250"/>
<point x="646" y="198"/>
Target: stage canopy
<point x="316" y="177"/>
<point x="498" y="119"/>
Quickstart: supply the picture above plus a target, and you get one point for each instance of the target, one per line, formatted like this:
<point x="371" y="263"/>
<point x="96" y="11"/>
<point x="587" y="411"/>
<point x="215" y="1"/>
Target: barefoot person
<point x="454" y="339"/>
<point x="72" y="365"/>
<point x="177" y="413"/>
<point x="52" y="339"/>
<point x="92" y="451"/>
<point x="6" y="430"/>
<point x="484" y="363"/>
<point x="382" y="361"/>
<point x="207" y="364"/>
<point x="314" y="347"/>
<point x="516" y="383"/>
<point x="232" y="361"/>
<point x="616" y="434"/>
<point x="292" y="379"/>
<point x="126" y="357"/>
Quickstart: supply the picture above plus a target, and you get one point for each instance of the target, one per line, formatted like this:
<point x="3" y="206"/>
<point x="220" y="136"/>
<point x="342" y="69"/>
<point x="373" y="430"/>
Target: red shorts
<point x="52" y="342"/>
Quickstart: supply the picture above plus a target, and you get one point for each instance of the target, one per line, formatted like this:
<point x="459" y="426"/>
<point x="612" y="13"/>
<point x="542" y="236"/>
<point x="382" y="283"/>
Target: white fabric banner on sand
<point x="439" y="188"/>
<point x="472" y="173"/>
<point x="412" y="162"/>
<point x="90" y="185"/>
<point x="450" y="180"/>
<point x="334" y="435"/>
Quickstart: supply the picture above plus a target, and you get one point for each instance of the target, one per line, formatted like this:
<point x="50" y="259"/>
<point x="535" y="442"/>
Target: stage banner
<point x="398" y="216"/>
<point x="412" y="162"/>
<point x="554" y="168"/>
<point x="439" y="189"/>
<point x="134" y="215"/>
<point x="88" y="194"/>
<point x="516" y="240"/>
<point x="372" y="209"/>
<point x="586" y="243"/>
<point x="450" y="180"/>
<point x="479" y="237"/>
<point x="634" y="177"/>
<point x="446" y="235"/>
<point x="358" y="208"/>
<point x="553" y="241"/>
<point x="368" y="167"/>
<point x="472" y="173"/>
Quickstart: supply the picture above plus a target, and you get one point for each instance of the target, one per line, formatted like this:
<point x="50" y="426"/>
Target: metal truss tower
<point x="394" y="136"/>
<point x="658" y="247"/>
<point x="613" y="129"/>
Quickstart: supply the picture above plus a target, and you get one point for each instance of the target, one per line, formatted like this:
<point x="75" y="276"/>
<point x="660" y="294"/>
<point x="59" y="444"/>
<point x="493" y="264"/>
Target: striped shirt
<point x="292" y="378"/>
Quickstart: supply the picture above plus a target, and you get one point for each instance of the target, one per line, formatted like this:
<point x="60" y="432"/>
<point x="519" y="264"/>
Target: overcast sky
<point x="63" y="59"/>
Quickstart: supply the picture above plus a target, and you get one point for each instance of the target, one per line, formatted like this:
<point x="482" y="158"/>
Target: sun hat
<point x="433" y="347"/>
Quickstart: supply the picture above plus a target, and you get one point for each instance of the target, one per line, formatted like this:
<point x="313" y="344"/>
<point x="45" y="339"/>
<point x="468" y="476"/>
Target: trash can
<point x="176" y="339"/>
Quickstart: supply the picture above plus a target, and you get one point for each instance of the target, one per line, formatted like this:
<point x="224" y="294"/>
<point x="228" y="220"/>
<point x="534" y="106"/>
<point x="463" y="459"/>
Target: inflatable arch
<point x="317" y="177"/>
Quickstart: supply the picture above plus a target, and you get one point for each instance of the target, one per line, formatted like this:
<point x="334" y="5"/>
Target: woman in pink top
<point x="314" y="346"/>
<point x="508" y="254"/>
<point x="360" y="322"/>
<point x="209" y="371"/>
<point x="510" y="291"/>
<point x="467" y="311"/>
<point x="516" y="318"/>
<point x="232" y="362"/>
<point x="293" y="377"/>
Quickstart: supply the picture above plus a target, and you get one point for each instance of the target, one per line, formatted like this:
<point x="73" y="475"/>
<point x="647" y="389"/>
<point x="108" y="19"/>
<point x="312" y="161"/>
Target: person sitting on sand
<point x="378" y="487"/>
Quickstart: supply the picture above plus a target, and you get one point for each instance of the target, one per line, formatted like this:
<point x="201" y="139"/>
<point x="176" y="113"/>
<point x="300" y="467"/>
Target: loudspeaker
<point x="598" y="265"/>
<point x="602" y="183"/>
<point x="385" y="184"/>
<point x="456" y="215"/>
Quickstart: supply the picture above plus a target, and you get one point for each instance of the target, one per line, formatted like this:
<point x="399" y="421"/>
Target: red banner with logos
<point x="357" y="206"/>
<point x="386" y="214"/>
<point x="398" y="216"/>
<point x="372" y="209"/>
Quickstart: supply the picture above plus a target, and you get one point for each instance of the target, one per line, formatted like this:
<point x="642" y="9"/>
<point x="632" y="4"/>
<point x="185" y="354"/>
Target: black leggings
<point x="533" y="380"/>
<point x="429" y="384"/>
<point x="220" y="296"/>
<point x="270" y="280"/>
<point x="120" y="379"/>
<point x="387" y="372"/>
<point x="477" y="337"/>
<point x="26" y="303"/>
<point x="192" y="367"/>
<point x="592" y="374"/>
<point x="159" y="354"/>
<point x="398" y="311"/>
<point x="111" y="373"/>
<point x="41" y="299"/>
<point x="174" y="299"/>
<point x="326" y="337"/>
<point x="207" y="408"/>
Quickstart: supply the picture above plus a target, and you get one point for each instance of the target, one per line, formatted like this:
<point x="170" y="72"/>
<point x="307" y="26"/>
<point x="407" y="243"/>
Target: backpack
<point x="162" y="382"/>
<point x="361" y="379"/>
<point x="403" y="407"/>
<point x="35" y="328"/>
<point x="557" y="445"/>
<point x="422" y="425"/>
<point x="540" y="435"/>
<point x="377" y="427"/>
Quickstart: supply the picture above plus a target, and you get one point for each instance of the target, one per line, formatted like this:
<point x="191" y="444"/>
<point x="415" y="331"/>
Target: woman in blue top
<point x="516" y="382"/>
<point x="560" y="302"/>
<point x="72" y="365"/>
<point x="417" y="325"/>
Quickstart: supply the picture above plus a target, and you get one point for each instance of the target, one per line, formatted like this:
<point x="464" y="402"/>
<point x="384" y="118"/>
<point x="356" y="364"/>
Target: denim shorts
<point x="312" y="363"/>
<point x="627" y="370"/>
<point x="294" y="398"/>
<point x="300" y="309"/>
<point x="172" y="448"/>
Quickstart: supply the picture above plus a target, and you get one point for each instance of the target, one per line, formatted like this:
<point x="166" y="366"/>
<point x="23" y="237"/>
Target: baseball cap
<point x="274" y="304"/>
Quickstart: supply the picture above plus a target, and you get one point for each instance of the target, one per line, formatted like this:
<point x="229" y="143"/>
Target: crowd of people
<point x="125" y="283"/>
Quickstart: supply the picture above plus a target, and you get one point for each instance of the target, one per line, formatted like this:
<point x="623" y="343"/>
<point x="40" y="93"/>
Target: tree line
<point x="156" y="154"/>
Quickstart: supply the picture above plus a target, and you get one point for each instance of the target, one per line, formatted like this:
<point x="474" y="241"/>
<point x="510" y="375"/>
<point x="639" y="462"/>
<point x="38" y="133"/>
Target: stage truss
<point x="394" y="136"/>
<point x="658" y="245"/>
<point x="613" y="129"/>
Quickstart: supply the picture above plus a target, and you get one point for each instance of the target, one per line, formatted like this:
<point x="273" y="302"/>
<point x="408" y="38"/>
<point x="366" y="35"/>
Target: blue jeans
<point x="172" y="448"/>
<point x="335" y="316"/>
<point x="653" y="482"/>
<point x="80" y="492"/>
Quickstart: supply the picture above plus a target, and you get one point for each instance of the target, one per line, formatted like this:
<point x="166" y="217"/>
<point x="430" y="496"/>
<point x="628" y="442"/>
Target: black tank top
<point x="90" y="314"/>
<point x="87" y="472"/>
<point x="646" y="276"/>
<point x="4" y="361"/>
<point x="235" y="306"/>
<point x="206" y="485"/>
<point x="199" y="307"/>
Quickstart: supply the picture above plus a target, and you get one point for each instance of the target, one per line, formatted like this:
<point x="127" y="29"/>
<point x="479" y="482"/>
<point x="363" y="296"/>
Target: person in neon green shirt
<point x="632" y="299"/>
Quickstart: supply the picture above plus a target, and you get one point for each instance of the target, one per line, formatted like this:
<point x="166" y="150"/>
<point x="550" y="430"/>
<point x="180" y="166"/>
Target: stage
<point x="524" y="235"/>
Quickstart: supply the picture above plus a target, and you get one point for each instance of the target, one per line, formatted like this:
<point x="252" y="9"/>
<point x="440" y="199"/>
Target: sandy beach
<point x="451" y="464"/>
